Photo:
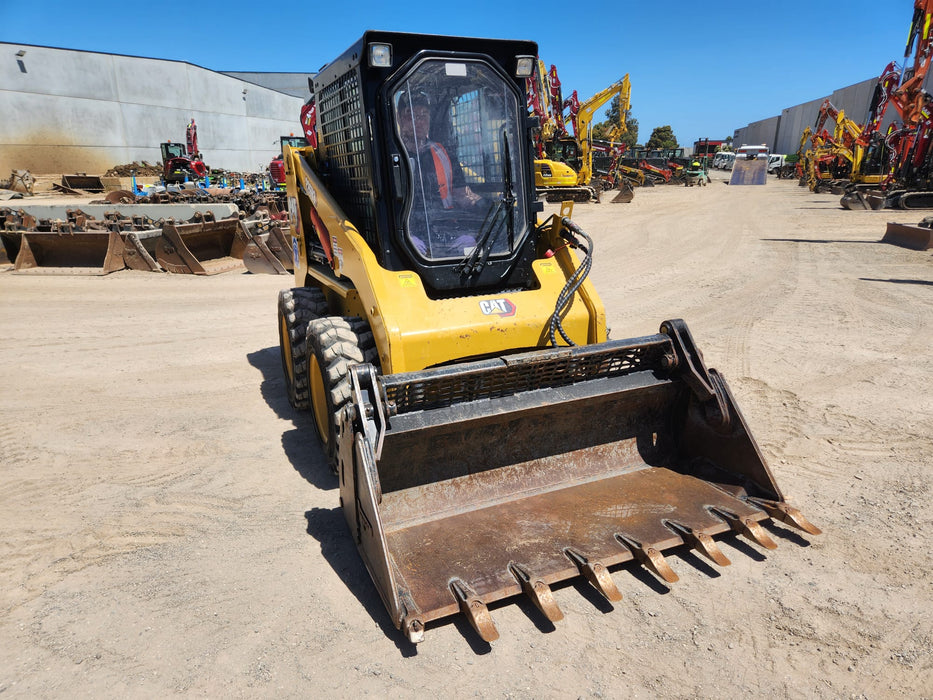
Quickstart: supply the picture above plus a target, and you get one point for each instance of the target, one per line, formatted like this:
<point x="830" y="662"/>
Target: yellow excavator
<point x="555" y="176"/>
<point x="489" y="439"/>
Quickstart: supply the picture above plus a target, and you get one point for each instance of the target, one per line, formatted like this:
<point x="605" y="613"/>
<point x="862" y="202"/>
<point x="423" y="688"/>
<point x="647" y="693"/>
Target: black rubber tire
<point x="297" y="307"/>
<point x="333" y="345"/>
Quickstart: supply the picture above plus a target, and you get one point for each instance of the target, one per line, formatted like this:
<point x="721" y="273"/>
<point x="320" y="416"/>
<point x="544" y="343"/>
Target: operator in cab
<point x="439" y="187"/>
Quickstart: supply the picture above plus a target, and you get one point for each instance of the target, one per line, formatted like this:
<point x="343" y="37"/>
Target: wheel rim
<point x="319" y="400"/>
<point x="287" y="349"/>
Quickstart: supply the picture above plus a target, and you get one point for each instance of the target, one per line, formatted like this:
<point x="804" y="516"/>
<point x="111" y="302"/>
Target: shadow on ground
<point x="300" y="443"/>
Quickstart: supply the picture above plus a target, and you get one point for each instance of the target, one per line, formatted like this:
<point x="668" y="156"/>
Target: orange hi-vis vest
<point x="445" y="174"/>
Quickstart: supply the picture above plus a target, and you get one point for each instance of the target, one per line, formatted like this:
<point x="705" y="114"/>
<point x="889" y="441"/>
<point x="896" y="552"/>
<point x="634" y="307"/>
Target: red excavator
<point x="182" y="162"/>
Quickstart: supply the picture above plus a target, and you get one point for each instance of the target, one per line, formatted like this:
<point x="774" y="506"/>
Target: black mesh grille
<point x="489" y="379"/>
<point x="343" y="135"/>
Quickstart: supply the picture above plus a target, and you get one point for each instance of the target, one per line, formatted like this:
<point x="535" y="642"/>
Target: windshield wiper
<point x="476" y="258"/>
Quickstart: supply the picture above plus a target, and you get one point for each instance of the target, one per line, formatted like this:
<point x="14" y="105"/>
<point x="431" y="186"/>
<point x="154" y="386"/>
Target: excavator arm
<point x="584" y="118"/>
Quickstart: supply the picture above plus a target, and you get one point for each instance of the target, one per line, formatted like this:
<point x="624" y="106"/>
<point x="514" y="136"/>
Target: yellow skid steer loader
<point x="488" y="437"/>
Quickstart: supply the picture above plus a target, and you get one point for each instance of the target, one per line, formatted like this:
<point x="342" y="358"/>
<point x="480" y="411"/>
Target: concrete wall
<point x="793" y="121"/>
<point x="756" y="133"/>
<point x="77" y="111"/>
<point x="295" y="84"/>
<point x="854" y="100"/>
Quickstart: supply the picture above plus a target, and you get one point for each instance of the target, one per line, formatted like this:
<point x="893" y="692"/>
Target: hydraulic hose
<point x="572" y="233"/>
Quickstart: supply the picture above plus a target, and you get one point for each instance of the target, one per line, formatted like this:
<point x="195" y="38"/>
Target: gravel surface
<point x="170" y="526"/>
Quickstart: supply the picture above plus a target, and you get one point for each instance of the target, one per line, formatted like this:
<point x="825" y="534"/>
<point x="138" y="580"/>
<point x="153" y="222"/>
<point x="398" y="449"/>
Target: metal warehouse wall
<point x="77" y="111"/>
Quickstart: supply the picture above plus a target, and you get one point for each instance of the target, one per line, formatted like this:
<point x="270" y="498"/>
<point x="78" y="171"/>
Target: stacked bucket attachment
<point x="268" y="251"/>
<point x="205" y="248"/>
<point x="76" y="253"/>
<point x="471" y="483"/>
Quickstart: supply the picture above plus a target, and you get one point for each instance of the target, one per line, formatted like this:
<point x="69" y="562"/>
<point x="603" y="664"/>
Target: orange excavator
<point x="908" y="183"/>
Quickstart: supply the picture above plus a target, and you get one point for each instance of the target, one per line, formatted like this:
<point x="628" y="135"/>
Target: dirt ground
<point x="170" y="527"/>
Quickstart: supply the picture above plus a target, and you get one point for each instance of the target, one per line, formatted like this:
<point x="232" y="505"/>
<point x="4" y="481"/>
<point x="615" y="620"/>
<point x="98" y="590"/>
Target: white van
<point x="775" y="161"/>
<point x="728" y="161"/>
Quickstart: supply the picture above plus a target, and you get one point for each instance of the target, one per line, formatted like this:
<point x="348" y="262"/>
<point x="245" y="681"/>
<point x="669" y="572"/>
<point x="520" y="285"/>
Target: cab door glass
<point x="455" y="122"/>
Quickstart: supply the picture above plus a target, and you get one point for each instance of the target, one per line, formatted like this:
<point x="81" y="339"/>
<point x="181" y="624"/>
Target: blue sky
<point x="705" y="68"/>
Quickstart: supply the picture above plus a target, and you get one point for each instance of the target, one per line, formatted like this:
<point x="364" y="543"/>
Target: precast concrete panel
<point x="266" y="104"/>
<point x="294" y="84"/>
<point x="738" y="138"/>
<point x="150" y="82"/>
<point x="76" y="111"/>
<point x="223" y="94"/>
<point x="33" y="119"/>
<point x="148" y="125"/>
<point x="760" y="132"/>
<point x="47" y="71"/>
<point x="223" y="132"/>
<point x="855" y="99"/>
<point x="793" y="121"/>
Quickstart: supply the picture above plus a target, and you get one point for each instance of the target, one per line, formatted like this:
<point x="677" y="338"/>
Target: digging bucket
<point x="468" y="484"/>
<point x="204" y="248"/>
<point x="70" y="253"/>
<point x="268" y="251"/>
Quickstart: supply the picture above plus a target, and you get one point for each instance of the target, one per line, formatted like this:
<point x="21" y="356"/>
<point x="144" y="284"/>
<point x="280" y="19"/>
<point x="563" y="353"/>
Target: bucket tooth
<point x="746" y="526"/>
<point x="412" y="622"/>
<point x="538" y="591"/>
<point x="596" y="574"/>
<point x="650" y="558"/>
<point x="701" y="542"/>
<point x="475" y="610"/>
<point x="786" y="514"/>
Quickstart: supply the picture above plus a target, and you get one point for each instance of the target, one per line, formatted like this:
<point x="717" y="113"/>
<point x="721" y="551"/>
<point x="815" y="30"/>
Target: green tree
<point x="662" y="137"/>
<point x="602" y="130"/>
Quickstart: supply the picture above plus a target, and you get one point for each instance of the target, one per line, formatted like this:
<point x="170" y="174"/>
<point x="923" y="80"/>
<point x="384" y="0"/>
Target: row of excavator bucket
<point x="468" y="484"/>
<point x="205" y="247"/>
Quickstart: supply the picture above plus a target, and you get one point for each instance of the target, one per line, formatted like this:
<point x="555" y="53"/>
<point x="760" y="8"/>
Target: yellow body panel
<point x="411" y="330"/>
<point x="562" y="175"/>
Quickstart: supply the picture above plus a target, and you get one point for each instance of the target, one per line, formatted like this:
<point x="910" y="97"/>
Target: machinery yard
<point x="172" y="526"/>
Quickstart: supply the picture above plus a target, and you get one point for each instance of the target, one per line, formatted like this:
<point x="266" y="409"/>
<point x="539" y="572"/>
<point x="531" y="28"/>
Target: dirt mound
<point x="140" y="169"/>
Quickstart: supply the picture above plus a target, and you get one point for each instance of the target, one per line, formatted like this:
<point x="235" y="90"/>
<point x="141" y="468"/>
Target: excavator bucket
<point x="70" y="253"/>
<point x="268" y="252"/>
<point x="139" y="250"/>
<point x="204" y="248"/>
<point x="468" y="484"/>
<point x="83" y="181"/>
<point x="915" y="236"/>
<point x="625" y="194"/>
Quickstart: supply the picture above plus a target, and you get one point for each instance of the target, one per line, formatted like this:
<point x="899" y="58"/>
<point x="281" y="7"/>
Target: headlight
<point x="524" y="66"/>
<point x="380" y="55"/>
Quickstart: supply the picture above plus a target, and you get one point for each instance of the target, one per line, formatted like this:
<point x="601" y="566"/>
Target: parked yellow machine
<point x="567" y="173"/>
<point x="488" y="438"/>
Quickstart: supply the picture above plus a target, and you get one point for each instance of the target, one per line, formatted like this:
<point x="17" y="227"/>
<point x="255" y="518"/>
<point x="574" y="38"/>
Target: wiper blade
<point x="476" y="259"/>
